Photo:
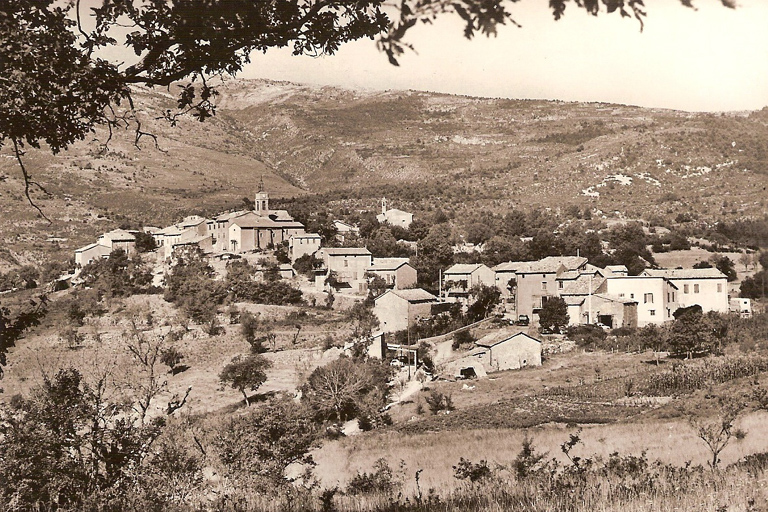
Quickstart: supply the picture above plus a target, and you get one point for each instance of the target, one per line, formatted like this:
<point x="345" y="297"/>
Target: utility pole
<point x="589" y="305"/>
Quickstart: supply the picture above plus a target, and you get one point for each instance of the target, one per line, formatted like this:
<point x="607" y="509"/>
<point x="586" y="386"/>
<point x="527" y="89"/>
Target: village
<point x="584" y="294"/>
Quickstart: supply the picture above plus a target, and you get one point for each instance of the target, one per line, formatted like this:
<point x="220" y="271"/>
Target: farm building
<point x="504" y="350"/>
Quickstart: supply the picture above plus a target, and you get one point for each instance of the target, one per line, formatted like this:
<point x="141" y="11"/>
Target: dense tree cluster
<point x="191" y="286"/>
<point x="242" y="284"/>
<point x="118" y="275"/>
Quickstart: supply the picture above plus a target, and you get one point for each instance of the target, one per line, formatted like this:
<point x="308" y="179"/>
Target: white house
<point x="348" y="263"/>
<point x="89" y="253"/>
<point x="707" y="287"/>
<point x="657" y="297"/>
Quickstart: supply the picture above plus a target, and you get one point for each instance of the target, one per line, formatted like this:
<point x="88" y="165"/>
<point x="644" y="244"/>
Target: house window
<point x="673" y="296"/>
<point x="685" y="288"/>
<point x="631" y="295"/>
<point x="652" y="312"/>
<point x="544" y="285"/>
<point x="560" y="285"/>
<point x="346" y="263"/>
<point x="719" y="287"/>
<point x="621" y="295"/>
<point x="695" y="288"/>
<point x="648" y="298"/>
<point x="669" y="296"/>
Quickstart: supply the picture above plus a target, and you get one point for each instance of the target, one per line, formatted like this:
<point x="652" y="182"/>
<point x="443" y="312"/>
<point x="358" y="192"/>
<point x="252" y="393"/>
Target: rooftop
<point x="686" y="273"/>
<point x="463" y="268"/>
<point x="388" y="263"/>
<point x="499" y="337"/>
<point x="415" y="295"/>
<point x="342" y="251"/>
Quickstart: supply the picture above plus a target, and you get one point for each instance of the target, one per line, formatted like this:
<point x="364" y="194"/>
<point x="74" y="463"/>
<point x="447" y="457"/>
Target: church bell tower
<point x="261" y="205"/>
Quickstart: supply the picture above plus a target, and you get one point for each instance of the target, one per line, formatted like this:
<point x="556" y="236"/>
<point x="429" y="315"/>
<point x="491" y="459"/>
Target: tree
<point x="118" y="275"/>
<point x="145" y="242"/>
<point x="746" y="260"/>
<point x="364" y="321"/>
<point x="435" y="253"/>
<point x="68" y="444"/>
<point x="755" y="287"/>
<point x="693" y="332"/>
<point x="347" y="388"/>
<point x="245" y="373"/>
<point x="268" y="440"/>
<point x="485" y="299"/>
<point x="554" y="314"/>
<point x="726" y="266"/>
<point x="15" y="321"/>
<point x="192" y="287"/>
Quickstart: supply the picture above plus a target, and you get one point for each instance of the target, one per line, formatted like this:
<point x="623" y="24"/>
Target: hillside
<point x="462" y="153"/>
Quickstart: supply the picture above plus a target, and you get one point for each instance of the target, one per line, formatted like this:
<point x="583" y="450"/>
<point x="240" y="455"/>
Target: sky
<point x="708" y="59"/>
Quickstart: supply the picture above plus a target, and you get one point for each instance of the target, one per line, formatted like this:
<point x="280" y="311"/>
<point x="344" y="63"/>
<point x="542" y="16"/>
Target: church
<point x="258" y="229"/>
<point x="393" y="216"/>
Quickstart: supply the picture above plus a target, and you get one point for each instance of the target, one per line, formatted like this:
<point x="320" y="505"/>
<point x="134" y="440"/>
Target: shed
<point x="503" y="350"/>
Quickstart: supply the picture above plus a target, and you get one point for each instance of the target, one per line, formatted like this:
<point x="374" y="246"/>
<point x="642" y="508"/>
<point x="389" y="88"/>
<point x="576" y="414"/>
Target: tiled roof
<point x="499" y="337"/>
<point x="511" y="266"/>
<point x="569" y="262"/>
<point x="119" y="235"/>
<point x="251" y="221"/>
<point x="91" y="246"/>
<point x="463" y="268"/>
<point x="582" y="286"/>
<point x="342" y="251"/>
<point x="686" y="273"/>
<point x="414" y="295"/>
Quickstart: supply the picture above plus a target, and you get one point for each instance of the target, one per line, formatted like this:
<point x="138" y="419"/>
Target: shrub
<point x="474" y="472"/>
<point x="437" y="401"/>
<point x="379" y="481"/>
<point x="462" y="338"/>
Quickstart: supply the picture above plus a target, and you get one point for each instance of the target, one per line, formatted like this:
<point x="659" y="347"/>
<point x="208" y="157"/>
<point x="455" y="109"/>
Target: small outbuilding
<point x="504" y="350"/>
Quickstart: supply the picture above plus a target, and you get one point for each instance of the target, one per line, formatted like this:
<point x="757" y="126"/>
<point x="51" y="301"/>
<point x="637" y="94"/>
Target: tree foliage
<point x="484" y="300"/>
<point x="245" y="373"/>
<point x="554" y="314"/>
<point x="347" y="388"/>
<point x="269" y="439"/>
<point x="69" y="442"/>
<point x="118" y="275"/>
<point x="192" y="287"/>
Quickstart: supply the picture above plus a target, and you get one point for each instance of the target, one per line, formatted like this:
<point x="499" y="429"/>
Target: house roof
<point x="686" y="273"/>
<point x="511" y="266"/>
<point x="252" y="221"/>
<point x="463" y="268"/>
<point x="574" y="300"/>
<point x="582" y="286"/>
<point x="413" y="295"/>
<point x="231" y="215"/>
<point x="545" y="266"/>
<point x="119" y="235"/>
<point x="344" y="251"/>
<point x="92" y="246"/>
<point x="192" y="220"/>
<point x="346" y="225"/>
<point x="617" y="269"/>
<point x="388" y="263"/>
<point x="569" y="262"/>
<point x="314" y="236"/>
<point x="499" y="337"/>
<point x="169" y="231"/>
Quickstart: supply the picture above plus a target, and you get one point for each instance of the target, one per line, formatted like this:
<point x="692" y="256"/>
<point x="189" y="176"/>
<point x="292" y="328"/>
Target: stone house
<point x="90" y="253"/>
<point x="118" y="239"/>
<point x="302" y="244"/>
<point x="399" y="309"/>
<point x="461" y="277"/>
<point x="348" y="263"/>
<point x="505" y="350"/>
<point x="397" y="273"/>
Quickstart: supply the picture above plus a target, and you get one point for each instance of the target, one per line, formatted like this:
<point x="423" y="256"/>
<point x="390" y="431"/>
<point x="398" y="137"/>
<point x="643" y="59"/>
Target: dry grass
<point x="672" y="442"/>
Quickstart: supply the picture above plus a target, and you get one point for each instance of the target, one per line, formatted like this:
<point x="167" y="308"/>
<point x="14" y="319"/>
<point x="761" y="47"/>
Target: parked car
<point x="523" y="320"/>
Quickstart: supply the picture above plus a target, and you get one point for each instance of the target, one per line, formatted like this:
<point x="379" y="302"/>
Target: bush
<point x="586" y="336"/>
<point x="437" y="401"/>
<point x="380" y="481"/>
<point x="462" y="339"/>
<point x="467" y="470"/>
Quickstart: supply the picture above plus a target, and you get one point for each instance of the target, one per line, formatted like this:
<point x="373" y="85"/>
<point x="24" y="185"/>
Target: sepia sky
<point x="710" y="59"/>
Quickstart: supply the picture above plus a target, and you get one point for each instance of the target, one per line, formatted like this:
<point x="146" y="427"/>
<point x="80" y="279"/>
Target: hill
<point x="420" y="148"/>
